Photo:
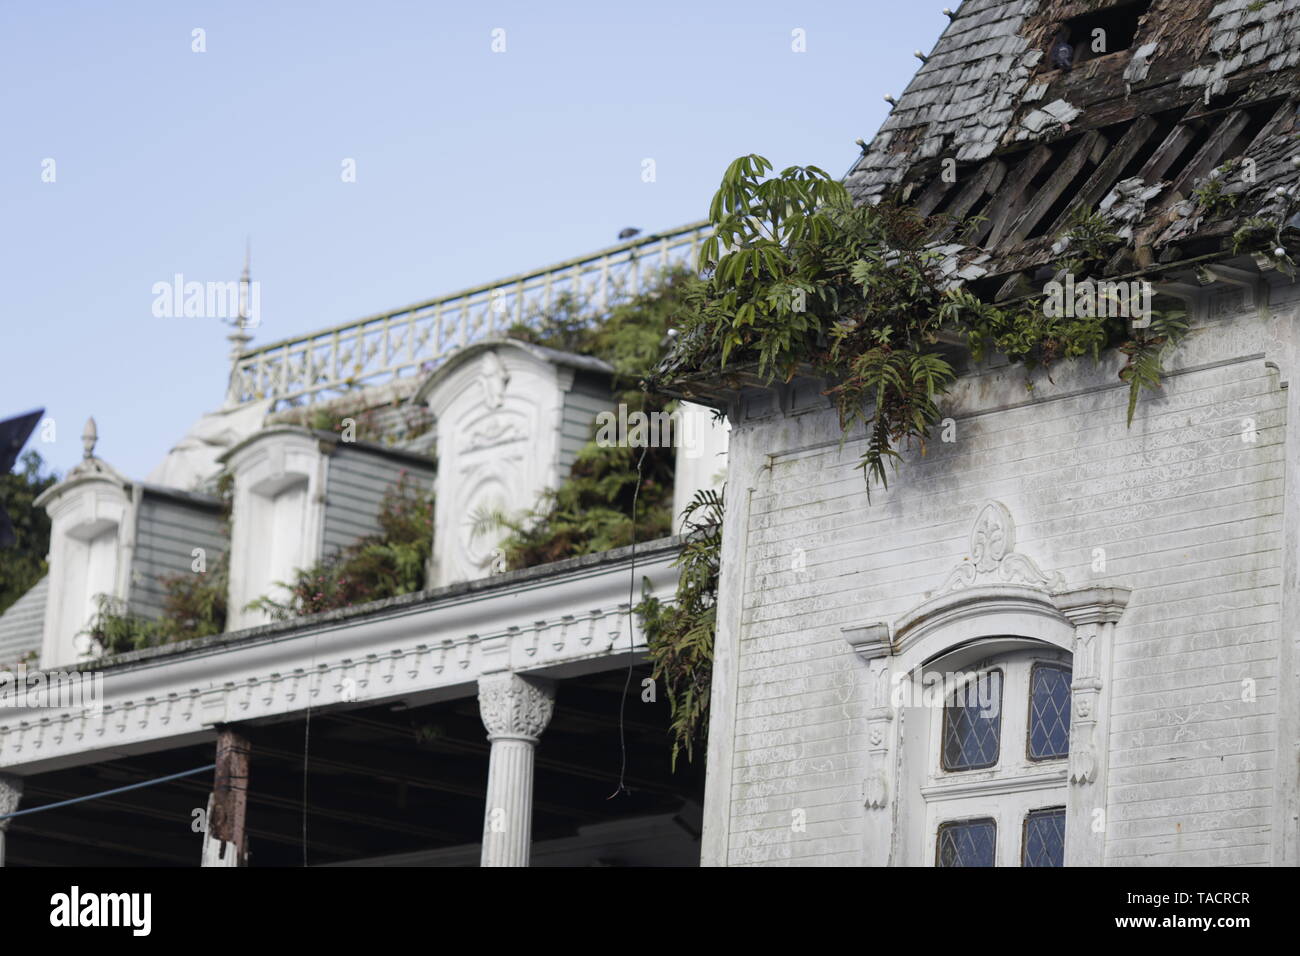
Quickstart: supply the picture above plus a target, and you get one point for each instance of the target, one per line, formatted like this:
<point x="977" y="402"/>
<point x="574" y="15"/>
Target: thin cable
<point x="306" y="749"/>
<point x="109" y="793"/>
<point x="631" y="632"/>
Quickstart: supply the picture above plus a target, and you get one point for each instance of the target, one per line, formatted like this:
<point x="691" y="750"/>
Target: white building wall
<point x="1189" y="514"/>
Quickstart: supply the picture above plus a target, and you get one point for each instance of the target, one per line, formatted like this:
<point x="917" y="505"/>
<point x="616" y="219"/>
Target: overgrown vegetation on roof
<point x="799" y="278"/>
<point x="194" y="606"/>
<point x="591" y="511"/>
<point x="388" y="564"/>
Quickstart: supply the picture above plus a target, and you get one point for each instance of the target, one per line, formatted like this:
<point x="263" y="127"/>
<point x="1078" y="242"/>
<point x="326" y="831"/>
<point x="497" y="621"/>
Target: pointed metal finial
<point x="244" y="280"/>
<point x="89" y="436"/>
<point x="239" y="337"/>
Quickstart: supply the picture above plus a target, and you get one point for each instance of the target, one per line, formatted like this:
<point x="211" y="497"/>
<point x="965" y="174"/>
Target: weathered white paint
<point x="92" y="521"/>
<point x="279" y="511"/>
<point x="515" y="712"/>
<point x="500" y="410"/>
<point x="1190" y="515"/>
<point x="701" y="456"/>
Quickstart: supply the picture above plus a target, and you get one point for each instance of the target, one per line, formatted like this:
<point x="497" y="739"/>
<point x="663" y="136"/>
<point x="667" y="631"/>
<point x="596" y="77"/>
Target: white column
<point x="11" y="791"/>
<point x="1094" y="613"/>
<point x="871" y="643"/>
<point x="515" y="711"/>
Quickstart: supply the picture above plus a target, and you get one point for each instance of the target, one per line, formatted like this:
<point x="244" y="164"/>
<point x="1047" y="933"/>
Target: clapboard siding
<point x="1187" y="506"/>
<point x="359" y="477"/>
<point x="167" y="532"/>
<point x="582" y="404"/>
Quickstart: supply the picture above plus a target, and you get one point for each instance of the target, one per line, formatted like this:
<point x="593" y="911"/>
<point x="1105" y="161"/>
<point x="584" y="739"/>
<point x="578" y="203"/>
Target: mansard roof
<point x="22" y="624"/>
<point x="1186" y="86"/>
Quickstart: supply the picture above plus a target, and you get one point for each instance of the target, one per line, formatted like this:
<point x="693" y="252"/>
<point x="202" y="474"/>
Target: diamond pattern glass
<point x="972" y="724"/>
<point x="1044" y="838"/>
<point x="1049" y="712"/>
<point x="968" y="843"/>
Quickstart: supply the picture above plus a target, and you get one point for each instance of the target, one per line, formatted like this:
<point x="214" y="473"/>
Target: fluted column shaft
<point x="11" y="792"/>
<point x="515" y="711"/>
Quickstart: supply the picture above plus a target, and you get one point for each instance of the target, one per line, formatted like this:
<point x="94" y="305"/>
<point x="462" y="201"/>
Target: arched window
<point x="987" y="711"/>
<point x="996" y="733"/>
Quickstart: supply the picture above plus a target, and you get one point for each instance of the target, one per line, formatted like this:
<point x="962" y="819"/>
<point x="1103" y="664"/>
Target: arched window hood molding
<point x="995" y="593"/>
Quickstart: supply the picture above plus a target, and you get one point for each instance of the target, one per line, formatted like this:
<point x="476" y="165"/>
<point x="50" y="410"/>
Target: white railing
<point x="313" y="367"/>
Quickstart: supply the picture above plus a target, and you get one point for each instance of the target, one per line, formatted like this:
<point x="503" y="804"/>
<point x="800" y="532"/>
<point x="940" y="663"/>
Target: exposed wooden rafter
<point x="1009" y="199"/>
<point x="1209" y="155"/>
<point x="1061" y="177"/>
<point x="1106" y="174"/>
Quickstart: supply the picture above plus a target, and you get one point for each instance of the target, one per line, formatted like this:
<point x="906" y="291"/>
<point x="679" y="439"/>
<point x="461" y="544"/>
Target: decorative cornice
<point x="976" y="602"/>
<point x="173" y="698"/>
<point x="1096" y="605"/>
<point x="869" y="641"/>
<point x="515" y="707"/>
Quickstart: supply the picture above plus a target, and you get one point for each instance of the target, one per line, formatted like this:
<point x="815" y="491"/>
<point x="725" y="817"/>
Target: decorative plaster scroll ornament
<point x="876" y="790"/>
<point x="993" y="555"/>
<point x="513" y="706"/>
<point x="1083" y="765"/>
<point x="495" y="431"/>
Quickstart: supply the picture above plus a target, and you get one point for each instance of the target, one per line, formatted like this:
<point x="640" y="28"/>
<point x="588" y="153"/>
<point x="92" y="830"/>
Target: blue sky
<point x="470" y="165"/>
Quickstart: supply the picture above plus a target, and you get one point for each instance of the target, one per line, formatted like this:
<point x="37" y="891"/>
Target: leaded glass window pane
<point x="1049" y="712"/>
<point x="972" y="724"/>
<point x="1044" y="838"/>
<point x="968" y="843"/>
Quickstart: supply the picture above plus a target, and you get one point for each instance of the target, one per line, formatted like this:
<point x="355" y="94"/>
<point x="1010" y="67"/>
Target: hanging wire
<point x="631" y="630"/>
<point x="108" y="793"/>
<point x="306" y="748"/>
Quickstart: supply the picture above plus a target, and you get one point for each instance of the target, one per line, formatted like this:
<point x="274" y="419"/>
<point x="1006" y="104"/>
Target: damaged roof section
<point x="1173" y="119"/>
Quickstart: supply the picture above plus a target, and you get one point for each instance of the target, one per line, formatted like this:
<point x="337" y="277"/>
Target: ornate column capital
<point x="1094" y="605"/>
<point x="11" y="792"/>
<point x="514" y="707"/>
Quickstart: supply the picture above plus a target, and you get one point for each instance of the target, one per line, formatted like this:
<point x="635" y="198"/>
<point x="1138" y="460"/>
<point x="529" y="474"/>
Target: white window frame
<point x="1015" y="784"/>
<point x="993" y="592"/>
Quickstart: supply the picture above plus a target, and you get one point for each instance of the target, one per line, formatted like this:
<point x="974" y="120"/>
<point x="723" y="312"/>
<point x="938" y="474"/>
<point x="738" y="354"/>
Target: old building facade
<point x="1055" y="637"/>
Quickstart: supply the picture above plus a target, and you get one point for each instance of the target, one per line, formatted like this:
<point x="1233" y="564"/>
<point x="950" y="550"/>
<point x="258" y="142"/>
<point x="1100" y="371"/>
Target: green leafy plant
<point x="1091" y="238"/>
<point x="1145" y="352"/>
<point x="680" y="635"/>
<point x="194" y="606"/>
<point x="591" y="510"/>
<point x="22" y="565"/>
<point x="796" y="277"/>
<point x="374" y="424"/>
<point x="379" y="566"/>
